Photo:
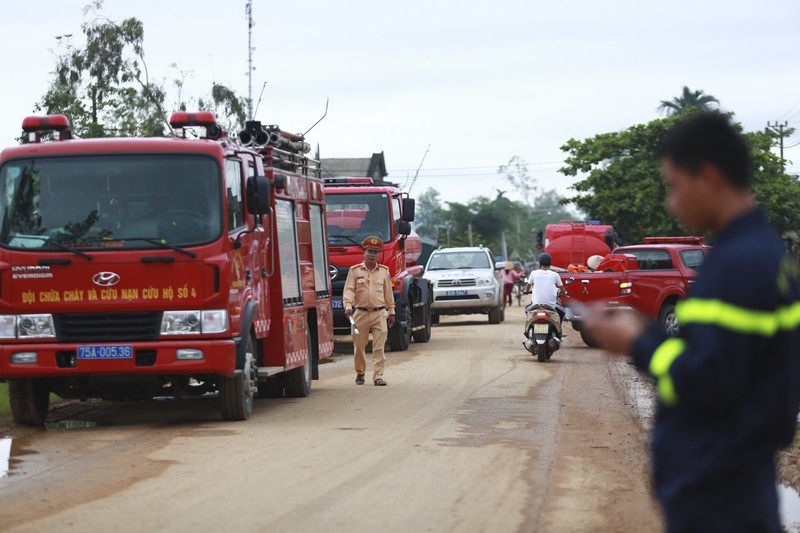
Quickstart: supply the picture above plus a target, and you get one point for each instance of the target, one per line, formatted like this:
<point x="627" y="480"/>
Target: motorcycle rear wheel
<point x="541" y="352"/>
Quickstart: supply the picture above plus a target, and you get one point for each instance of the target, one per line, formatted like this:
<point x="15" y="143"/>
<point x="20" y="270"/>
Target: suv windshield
<point x="352" y="218"/>
<point x="100" y="201"/>
<point x="458" y="260"/>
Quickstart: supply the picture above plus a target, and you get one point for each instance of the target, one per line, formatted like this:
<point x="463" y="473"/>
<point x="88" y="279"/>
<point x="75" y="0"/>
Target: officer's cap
<point x="372" y="243"/>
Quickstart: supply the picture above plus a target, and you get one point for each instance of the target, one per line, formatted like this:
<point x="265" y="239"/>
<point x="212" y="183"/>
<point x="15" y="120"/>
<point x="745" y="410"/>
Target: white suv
<point x="465" y="281"/>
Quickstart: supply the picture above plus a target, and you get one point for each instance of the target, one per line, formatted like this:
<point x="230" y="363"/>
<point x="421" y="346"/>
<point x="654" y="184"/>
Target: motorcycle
<point x="542" y="332"/>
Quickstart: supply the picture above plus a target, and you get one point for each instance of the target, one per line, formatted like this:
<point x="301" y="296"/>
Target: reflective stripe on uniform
<point x="738" y="319"/>
<point x="662" y="360"/>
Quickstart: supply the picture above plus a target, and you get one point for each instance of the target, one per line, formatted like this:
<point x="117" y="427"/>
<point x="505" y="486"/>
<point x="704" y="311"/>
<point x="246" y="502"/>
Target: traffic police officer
<point x="369" y="300"/>
<point x="729" y="383"/>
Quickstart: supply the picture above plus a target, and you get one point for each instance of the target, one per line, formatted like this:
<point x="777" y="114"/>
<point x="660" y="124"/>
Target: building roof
<point x="357" y="167"/>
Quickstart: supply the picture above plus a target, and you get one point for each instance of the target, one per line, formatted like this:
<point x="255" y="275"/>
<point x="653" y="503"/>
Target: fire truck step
<point x="419" y="304"/>
<point x="264" y="371"/>
<point x="419" y="328"/>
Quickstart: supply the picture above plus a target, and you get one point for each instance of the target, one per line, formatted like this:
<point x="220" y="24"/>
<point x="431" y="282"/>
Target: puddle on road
<point x="5" y="456"/>
<point x="789" y="501"/>
<point x="64" y="425"/>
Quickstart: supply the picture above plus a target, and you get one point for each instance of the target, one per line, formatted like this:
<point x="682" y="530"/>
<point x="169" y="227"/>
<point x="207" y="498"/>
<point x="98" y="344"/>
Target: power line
<point x="790" y="110"/>
<point x="779" y="128"/>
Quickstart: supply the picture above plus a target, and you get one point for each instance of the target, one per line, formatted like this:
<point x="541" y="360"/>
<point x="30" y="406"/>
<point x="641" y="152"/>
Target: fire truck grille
<point x="466" y="282"/>
<point x="107" y="327"/>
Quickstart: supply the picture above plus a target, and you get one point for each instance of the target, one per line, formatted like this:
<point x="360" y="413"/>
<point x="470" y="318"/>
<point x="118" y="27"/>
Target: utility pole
<point x="469" y="228"/>
<point x="504" y="246"/>
<point x="248" y="9"/>
<point x="779" y="127"/>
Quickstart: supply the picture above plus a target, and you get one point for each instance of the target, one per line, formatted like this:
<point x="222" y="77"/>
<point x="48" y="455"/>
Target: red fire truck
<point x="135" y="268"/>
<point x="356" y="209"/>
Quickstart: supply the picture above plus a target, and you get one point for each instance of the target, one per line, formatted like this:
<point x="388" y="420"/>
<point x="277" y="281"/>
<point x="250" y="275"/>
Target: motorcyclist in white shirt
<point x="546" y="286"/>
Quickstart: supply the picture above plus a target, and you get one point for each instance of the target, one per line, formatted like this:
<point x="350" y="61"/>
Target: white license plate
<point x="337" y="304"/>
<point x="109" y="351"/>
<point x="455" y="293"/>
<point x="541" y="329"/>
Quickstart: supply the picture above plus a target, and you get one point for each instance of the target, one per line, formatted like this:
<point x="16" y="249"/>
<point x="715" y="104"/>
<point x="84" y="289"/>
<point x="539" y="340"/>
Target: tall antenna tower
<point x="248" y="9"/>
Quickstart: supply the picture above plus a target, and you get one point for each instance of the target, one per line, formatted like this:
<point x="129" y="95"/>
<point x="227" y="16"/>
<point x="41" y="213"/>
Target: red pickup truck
<point x="648" y="278"/>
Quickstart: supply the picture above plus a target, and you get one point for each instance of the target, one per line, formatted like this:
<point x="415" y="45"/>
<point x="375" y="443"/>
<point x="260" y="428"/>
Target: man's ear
<point x="712" y="176"/>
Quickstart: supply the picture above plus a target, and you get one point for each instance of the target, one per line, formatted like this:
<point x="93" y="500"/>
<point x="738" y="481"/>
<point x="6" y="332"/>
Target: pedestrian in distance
<point x="729" y="383"/>
<point x="369" y="303"/>
<point x="511" y="273"/>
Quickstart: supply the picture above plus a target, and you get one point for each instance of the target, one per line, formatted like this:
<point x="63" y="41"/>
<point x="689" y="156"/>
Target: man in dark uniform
<point x="729" y="384"/>
<point x="369" y="300"/>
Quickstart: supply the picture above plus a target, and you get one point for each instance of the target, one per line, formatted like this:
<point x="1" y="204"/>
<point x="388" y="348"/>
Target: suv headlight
<point x="485" y="281"/>
<point x="35" y="326"/>
<point x="194" y="322"/>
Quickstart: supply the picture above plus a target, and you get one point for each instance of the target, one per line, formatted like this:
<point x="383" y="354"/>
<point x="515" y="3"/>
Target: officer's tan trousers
<point x="370" y="322"/>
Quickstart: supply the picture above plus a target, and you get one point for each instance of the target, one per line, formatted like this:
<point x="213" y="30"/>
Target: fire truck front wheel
<point x="236" y="393"/>
<point x="30" y="400"/>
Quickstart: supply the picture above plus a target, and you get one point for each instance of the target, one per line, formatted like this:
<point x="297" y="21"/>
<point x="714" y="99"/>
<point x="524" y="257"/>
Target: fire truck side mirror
<point x="409" y="209"/>
<point x="259" y="195"/>
<point x="404" y="228"/>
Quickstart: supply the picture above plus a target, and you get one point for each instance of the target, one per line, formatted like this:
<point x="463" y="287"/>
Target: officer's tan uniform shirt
<point x="365" y="288"/>
<point x="369" y="289"/>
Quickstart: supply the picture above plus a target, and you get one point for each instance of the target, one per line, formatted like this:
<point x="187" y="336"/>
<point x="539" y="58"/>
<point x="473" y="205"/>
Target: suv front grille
<point x="467" y="282"/>
<point x="108" y="327"/>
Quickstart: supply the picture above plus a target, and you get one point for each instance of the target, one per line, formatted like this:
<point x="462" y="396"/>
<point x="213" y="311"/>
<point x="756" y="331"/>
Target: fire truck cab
<point x="136" y="268"/>
<point x="358" y="208"/>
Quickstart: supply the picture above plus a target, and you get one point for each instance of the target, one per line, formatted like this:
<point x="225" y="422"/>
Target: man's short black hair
<point x="710" y="138"/>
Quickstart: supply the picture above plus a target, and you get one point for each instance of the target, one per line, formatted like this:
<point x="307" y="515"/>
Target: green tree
<point x="430" y="219"/>
<point x="104" y="86"/>
<point x="517" y="174"/>
<point x="688" y="101"/>
<point x="621" y="180"/>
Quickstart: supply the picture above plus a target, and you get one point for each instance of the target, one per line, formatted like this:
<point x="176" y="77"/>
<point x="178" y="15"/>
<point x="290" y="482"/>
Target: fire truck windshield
<point x="353" y="217"/>
<point x="156" y="200"/>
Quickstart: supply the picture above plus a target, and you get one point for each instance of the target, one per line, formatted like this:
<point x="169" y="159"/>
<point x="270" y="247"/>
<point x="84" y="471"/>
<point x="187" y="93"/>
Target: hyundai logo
<point x="105" y="279"/>
<point x="333" y="271"/>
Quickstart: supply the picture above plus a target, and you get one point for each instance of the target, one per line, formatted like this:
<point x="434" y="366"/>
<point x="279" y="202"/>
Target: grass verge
<point x="5" y="408"/>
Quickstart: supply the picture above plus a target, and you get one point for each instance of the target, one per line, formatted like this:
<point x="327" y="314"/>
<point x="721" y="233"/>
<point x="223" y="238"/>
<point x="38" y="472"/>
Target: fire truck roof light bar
<point x="180" y="120"/>
<point x="35" y="125"/>
<point x="45" y="123"/>
<point x="349" y="181"/>
<point x="674" y="240"/>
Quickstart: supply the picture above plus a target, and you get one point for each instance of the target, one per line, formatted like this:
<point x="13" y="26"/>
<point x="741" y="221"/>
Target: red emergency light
<point x="674" y="240"/>
<point x="46" y="123"/>
<point x="181" y="119"/>
<point x="35" y="125"/>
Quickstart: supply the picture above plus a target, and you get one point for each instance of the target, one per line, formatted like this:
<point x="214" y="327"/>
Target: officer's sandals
<point x="359" y="379"/>
<point x="379" y="383"/>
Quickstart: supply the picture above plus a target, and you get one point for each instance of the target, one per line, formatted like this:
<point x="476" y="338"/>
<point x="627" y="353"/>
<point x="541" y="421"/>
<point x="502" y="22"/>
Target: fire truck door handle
<point x="247" y="275"/>
<point x="264" y="272"/>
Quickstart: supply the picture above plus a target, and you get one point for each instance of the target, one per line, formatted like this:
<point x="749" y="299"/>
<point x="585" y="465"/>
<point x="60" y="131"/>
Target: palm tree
<point x="687" y="100"/>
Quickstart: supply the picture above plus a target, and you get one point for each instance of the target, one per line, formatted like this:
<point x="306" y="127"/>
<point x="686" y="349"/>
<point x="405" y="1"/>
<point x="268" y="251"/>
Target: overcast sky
<point x="479" y="81"/>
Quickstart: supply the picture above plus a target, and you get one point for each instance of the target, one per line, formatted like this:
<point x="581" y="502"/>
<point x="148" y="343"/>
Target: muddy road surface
<point x="472" y="434"/>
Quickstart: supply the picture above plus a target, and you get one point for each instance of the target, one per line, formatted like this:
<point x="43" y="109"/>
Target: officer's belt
<point x="370" y="308"/>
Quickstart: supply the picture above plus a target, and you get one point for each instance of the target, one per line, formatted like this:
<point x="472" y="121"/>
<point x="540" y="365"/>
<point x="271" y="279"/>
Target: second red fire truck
<point x="134" y="268"/>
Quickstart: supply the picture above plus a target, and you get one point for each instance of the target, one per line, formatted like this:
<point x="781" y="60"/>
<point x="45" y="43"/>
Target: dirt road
<point x="471" y="434"/>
